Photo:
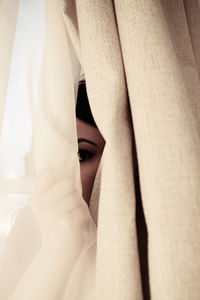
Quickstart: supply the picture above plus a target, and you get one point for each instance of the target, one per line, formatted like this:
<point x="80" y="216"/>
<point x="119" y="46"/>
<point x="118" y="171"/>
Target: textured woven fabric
<point x="147" y="52"/>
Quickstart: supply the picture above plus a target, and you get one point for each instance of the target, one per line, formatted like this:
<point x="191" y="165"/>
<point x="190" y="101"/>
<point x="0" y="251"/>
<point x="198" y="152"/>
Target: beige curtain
<point x="142" y="67"/>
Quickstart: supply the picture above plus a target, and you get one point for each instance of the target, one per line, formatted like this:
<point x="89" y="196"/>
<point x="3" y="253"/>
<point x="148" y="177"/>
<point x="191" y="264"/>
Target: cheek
<point x="88" y="173"/>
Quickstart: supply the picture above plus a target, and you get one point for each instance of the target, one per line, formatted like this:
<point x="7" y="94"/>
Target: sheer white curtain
<point x="40" y="191"/>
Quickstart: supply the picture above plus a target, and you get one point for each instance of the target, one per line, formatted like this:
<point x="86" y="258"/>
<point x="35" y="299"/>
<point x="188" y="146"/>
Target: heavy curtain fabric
<point x="142" y="67"/>
<point x="141" y="63"/>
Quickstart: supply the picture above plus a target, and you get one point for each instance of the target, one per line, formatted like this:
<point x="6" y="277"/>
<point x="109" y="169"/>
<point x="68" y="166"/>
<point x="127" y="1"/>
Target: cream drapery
<point x="148" y="52"/>
<point x="47" y="235"/>
<point x="141" y="63"/>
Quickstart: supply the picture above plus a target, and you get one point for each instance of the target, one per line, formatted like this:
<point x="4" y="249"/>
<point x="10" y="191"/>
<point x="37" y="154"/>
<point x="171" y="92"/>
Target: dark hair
<point x="83" y="111"/>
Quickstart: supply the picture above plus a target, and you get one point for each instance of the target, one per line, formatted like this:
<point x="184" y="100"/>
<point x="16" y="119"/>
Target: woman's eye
<point x="84" y="155"/>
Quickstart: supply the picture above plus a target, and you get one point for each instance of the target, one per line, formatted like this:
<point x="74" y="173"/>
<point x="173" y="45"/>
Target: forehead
<point x="87" y="131"/>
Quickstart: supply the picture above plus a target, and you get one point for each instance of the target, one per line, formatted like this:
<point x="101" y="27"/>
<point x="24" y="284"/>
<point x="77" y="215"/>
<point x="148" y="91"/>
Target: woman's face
<point x="90" y="145"/>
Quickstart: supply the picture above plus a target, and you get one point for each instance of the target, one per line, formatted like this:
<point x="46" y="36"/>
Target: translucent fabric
<point x="47" y="236"/>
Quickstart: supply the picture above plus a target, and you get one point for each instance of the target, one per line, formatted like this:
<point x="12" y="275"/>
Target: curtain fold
<point x="8" y="19"/>
<point x="158" y="58"/>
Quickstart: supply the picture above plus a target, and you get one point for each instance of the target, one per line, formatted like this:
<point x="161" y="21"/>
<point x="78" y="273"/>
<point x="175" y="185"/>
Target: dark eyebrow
<point x="87" y="141"/>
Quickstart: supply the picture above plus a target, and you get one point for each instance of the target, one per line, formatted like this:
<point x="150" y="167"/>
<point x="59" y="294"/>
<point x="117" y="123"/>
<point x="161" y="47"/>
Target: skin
<point x="90" y="144"/>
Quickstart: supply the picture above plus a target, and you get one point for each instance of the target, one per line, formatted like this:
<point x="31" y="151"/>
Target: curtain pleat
<point x="166" y="123"/>
<point x="100" y="47"/>
<point x="8" y="19"/>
